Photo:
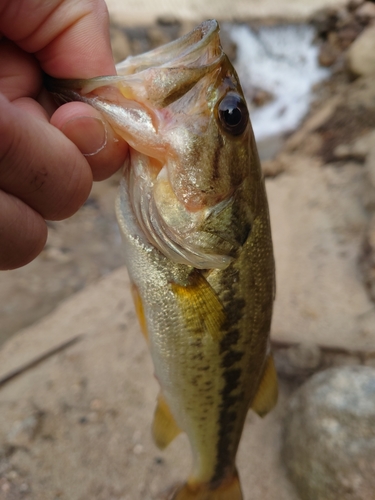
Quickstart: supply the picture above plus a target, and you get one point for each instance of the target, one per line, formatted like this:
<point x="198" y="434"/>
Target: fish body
<point x="194" y="217"/>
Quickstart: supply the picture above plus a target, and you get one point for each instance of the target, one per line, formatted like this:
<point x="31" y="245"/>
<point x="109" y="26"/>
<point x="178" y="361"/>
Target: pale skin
<point x="49" y="157"/>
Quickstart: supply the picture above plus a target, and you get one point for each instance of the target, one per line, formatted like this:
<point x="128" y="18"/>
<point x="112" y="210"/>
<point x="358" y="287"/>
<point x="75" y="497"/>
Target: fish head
<point x="182" y="111"/>
<point x="199" y="113"/>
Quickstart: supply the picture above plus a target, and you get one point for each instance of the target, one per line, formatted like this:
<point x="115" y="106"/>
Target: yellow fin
<point x="267" y="393"/>
<point x="230" y="491"/>
<point x="201" y="307"/>
<point x="139" y="310"/>
<point x="164" y="427"/>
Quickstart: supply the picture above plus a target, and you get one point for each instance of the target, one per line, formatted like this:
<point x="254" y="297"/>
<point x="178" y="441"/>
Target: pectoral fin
<point x="200" y="306"/>
<point x="267" y="393"/>
<point x="164" y="427"/>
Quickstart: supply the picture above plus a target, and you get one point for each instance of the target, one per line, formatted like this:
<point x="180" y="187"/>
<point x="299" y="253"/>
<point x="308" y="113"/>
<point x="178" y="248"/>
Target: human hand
<point x="49" y="157"/>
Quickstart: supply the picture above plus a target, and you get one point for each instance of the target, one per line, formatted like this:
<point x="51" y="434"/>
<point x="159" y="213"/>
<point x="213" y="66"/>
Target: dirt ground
<point x="77" y="426"/>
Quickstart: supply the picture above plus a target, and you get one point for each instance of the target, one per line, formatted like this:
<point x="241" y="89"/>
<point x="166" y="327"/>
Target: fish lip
<point x="162" y="75"/>
<point x="183" y="51"/>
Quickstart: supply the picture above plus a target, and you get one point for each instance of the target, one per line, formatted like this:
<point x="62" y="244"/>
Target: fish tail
<point x="231" y="490"/>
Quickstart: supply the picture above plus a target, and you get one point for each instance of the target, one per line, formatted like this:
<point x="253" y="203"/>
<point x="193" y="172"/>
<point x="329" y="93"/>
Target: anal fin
<point x="267" y="393"/>
<point x="164" y="427"/>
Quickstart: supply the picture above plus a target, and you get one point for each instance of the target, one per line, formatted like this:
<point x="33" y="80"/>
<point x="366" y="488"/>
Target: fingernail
<point x="88" y="134"/>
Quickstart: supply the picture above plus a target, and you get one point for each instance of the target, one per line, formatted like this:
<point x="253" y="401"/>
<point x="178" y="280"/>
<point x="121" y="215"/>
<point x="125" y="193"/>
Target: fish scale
<point x="194" y="218"/>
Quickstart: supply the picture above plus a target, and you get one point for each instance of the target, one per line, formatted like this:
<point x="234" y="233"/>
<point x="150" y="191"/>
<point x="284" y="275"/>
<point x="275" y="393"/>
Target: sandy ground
<point x="146" y="11"/>
<point x="77" y="426"/>
<point x="79" y="250"/>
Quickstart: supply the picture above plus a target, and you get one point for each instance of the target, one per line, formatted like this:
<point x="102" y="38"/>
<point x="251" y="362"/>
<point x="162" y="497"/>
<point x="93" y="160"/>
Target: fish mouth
<point x="170" y="71"/>
<point x="191" y="49"/>
<point x="135" y="101"/>
<point x="186" y="48"/>
<point x="161" y="76"/>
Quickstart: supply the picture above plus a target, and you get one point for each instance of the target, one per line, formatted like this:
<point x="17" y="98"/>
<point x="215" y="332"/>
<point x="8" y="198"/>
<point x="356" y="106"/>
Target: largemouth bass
<point x="193" y="213"/>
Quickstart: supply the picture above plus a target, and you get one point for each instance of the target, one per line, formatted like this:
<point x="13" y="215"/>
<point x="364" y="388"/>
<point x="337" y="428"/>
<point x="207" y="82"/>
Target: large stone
<point x="361" y="55"/>
<point x="329" y="440"/>
<point x="318" y="221"/>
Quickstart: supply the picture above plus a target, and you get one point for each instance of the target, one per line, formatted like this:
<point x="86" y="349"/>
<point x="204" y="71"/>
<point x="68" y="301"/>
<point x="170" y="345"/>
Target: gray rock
<point x="361" y="55"/>
<point x="329" y="438"/>
<point x="304" y="356"/>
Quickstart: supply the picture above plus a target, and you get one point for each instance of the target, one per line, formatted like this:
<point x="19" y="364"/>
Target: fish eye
<point x="233" y="113"/>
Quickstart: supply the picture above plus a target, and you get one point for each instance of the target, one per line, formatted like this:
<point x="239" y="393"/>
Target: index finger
<point x="70" y="38"/>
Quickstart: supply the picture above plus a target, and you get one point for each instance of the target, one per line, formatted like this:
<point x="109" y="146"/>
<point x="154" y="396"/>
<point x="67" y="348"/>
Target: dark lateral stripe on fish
<point x="233" y="313"/>
<point x="231" y="357"/>
<point x="232" y="376"/>
<point x="227" y="425"/>
<point x="231" y="338"/>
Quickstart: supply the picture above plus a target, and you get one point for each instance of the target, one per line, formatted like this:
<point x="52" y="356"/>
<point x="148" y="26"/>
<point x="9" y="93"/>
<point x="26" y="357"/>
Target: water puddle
<point x="279" y="63"/>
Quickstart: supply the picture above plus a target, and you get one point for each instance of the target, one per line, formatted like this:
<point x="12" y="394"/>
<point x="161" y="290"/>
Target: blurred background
<point x="75" y="425"/>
